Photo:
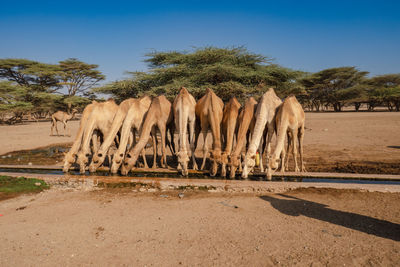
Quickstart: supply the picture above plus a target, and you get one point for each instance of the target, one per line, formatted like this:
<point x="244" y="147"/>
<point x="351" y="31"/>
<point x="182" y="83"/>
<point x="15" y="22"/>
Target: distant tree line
<point x="36" y="88"/>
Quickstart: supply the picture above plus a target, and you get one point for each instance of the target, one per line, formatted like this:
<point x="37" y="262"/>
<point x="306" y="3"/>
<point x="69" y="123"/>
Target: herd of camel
<point x="108" y="130"/>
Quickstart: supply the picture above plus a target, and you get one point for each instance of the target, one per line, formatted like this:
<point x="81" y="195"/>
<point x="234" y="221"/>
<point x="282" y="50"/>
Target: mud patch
<point x="49" y="155"/>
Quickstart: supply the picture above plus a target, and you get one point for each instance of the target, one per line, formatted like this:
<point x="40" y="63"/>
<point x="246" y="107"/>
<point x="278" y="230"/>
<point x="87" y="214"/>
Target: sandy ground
<point x="310" y="227"/>
<point x="322" y="227"/>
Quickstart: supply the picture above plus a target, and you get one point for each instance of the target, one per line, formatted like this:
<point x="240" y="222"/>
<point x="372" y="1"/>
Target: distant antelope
<point x="63" y="117"/>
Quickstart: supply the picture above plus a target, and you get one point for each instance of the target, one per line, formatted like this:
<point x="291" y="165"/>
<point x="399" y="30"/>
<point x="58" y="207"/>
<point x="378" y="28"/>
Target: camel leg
<point x="268" y="140"/>
<point x="301" y="137"/>
<point x="163" y="150"/>
<point x="65" y="128"/>
<point x="294" y="144"/>
<point x="260" y="153"/>
<point x="154" y="137"/>
<point x="52" y="126"/>
<point x="55" y="125"/>
<point x="205" y="149"/>
<point x="191" y="142"/>
<point x="289" y="146"/>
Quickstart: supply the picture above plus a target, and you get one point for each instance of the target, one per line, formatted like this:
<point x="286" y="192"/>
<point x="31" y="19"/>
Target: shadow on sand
<point x="295" y="207"/>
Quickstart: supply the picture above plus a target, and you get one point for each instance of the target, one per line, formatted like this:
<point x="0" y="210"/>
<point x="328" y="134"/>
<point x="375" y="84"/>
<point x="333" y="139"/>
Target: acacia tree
<point x="229" y="72"/>
<point x="384" y="89"/>
<point x="334" y="86"/>
<point x="37" y="76"/>
<point x="78" y="77"/>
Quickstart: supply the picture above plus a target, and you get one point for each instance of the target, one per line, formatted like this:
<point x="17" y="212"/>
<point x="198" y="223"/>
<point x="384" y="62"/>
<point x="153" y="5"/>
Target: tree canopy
<point x="229" y="72"/>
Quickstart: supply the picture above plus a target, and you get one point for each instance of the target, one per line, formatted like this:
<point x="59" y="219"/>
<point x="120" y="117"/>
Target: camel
<point x="99" y="157"/>
<point x="133" y="121"/>
<point x="209" y="112"/>
<point x="160" y="115"/>
<point x="184" y="116"/>
<point x="246" y="122"/>
<point x="265" y="122"/>
<point x="62" y="116"/>
<point x="229" y="119"/>
<point x="290" y="120"/>
<point x="70" y="157"/>
<point x="100" y="119"/>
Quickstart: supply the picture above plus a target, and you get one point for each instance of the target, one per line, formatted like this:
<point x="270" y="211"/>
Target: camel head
<point x="215" y="156"/>
<point x="82" y="160"/>
<point x="248" y="164"/>
<point x="69" y="159"/>
<point x="272" y="165"/>
<point x="129" y="162"/>
<point x="234" y="164"/>
<point x="224" y="158"/>
<point x="97" y="160"/>
<point x="183" y="160"/>
<point x="116" y="161"/>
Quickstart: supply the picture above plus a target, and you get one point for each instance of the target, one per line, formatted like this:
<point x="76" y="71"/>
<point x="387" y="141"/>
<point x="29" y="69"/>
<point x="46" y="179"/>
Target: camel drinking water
<point x="160" y="115"/>
<point x="209" y="112"/>
<point x="290" y="120"/>
<point x="229" y="120"/>
<point x="184" y="116"/>
<point x="265" y="121"/>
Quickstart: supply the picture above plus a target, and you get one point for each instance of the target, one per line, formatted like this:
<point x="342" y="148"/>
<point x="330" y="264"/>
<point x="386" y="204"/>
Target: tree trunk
<point x="357" y="106"/>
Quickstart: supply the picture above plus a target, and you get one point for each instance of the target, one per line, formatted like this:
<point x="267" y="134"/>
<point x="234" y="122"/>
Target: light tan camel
<point x="70" y="156"/>
<point x="184" y="116"/>
<point x="246" y="122"/>
<point x="99" y="157"/>
<point x="100" y="119"/>
<point x="209" y="112"/>
<point x="265" y="121"/>
<point x="229" y="120"/>
<point x="63" y="117"/>
<point x="290" y="118"/>
<point x="160" y="115"/>
<point x="133" y="123"/>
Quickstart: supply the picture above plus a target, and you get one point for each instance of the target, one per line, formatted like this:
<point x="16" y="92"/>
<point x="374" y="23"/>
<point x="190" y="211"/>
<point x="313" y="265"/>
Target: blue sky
<point x="308" y="36"/>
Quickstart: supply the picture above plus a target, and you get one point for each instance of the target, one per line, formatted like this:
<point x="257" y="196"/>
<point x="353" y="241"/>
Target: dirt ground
<point x="322" y="227"/>
<point x="359" y="142"/>
<point x="117" y="227"/>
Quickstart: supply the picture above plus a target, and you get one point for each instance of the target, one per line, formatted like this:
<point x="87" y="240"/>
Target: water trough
<point x="169" y="179"/>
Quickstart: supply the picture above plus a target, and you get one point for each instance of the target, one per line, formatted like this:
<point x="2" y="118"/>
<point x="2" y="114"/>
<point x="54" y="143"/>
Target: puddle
<point x="171" y="175"/>
<point x="49" y="155"/>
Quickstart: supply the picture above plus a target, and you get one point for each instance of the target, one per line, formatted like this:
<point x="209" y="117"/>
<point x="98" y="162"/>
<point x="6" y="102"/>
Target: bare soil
<point x="322" y="227"/>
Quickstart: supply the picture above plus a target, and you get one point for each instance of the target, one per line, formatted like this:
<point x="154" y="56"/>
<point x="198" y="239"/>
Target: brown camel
<point x="246" y="122"/>
<point x="133" y="123"/>
<point x="290" y="118"/>
<point x="265" y="122"/>
<point x="62" y="116"/>
<point x="99" y="157"/>
<point x="209" y="112"/>
<point x="160" y="115"/>
<point x="70" y="156"/>
<point x="100" y="119"/>
<point x="184" y="115"/>
<point x="229" y="119"/>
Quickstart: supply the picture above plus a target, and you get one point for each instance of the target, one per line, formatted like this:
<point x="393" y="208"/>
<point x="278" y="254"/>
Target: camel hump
<point x="208" y="90"/>
<point x="110" y="100"/>
<point x="184" y="91"/>
<point x="94" y="102"/>
<point x="251" y="100"/>
<point x="235" y="101"/>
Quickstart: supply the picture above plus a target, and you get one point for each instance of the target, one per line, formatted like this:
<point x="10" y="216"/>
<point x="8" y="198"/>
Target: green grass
<point x="21" y="185"/>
